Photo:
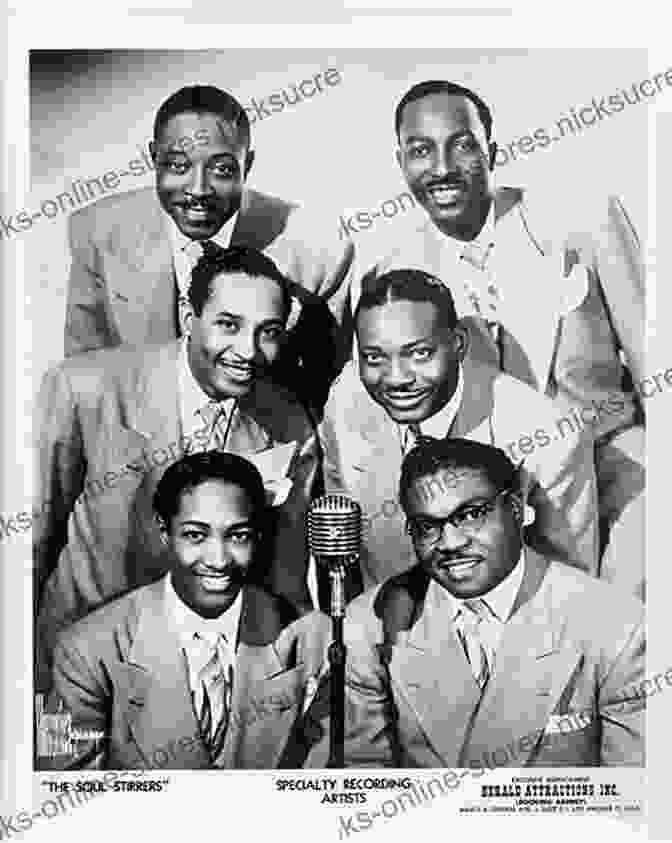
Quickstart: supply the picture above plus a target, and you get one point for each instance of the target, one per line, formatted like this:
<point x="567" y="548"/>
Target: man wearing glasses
<point x="415" y="376"/>
<point x="490" y="653"/>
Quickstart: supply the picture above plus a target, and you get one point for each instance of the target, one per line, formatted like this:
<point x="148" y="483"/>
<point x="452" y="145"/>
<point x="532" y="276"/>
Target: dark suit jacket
<point x="565" y="692"/>
<point x="122" y="671"/>
<point x="122" y="283"/>
<point x="109" y="425"/>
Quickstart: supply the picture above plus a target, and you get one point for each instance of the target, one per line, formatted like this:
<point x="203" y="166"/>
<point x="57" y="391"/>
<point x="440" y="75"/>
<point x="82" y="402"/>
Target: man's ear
<point x="460" y="340"/>
<point x="249" y="161"/>
<point x="152" y="151"/>
<point x="397" y="155"/>
<point x="492" y="153"/>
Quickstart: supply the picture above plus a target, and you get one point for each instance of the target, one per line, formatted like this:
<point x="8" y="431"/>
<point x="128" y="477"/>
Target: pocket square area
<point x="572" y="721"/>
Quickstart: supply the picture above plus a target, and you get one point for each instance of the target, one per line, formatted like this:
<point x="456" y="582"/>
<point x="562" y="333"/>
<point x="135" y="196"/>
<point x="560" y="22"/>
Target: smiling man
<point x="552" y="290"/>
<point x="198" y="669"/>
<point x="486" y="647"/>
<point x="109" y="424"/>
<point x="132" y="253"/>
<point x="415" y="376"/>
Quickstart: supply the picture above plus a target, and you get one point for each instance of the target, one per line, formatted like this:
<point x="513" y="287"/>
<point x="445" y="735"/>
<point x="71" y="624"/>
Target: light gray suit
<point x="363" y="456"/>
<point x="565" y="691"/>
<point x="122" y="281"/>
<point x="109" y="425"/>
<point x="570" y="346"/>
<point x="122" y="671"/>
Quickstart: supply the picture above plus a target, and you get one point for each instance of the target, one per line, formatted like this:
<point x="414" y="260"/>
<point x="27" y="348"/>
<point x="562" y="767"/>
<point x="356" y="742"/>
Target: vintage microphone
<point x="334" y="539"/>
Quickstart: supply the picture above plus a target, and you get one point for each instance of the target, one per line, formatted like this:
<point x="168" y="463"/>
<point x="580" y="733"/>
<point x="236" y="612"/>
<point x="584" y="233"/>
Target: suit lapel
<point x="525" y="273"/>
<point x="159" y="711"/>
<point x="140" y="275"/>
<point x="532" y="671"/>
<point x="429" y="668"/>
<point x="246" y="435"/>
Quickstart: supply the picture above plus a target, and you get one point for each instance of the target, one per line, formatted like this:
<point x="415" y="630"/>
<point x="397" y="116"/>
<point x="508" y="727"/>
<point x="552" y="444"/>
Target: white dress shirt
<point x="479" y="293"/>
<point x="499" y="601"/>
<point x="195" y="634"/>
<point x="192" y="399"/>
<point x="186" y="252"/>
<point x="437" y="425"/>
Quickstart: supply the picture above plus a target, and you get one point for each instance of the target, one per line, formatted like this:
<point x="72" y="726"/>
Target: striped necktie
<point x="480" y="656"/>
<point x="214" y="416"/>
<point x="212" y="697"/>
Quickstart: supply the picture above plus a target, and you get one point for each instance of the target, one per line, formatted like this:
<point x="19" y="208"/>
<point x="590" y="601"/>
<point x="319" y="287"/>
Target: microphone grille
<point x="334" y="526"/>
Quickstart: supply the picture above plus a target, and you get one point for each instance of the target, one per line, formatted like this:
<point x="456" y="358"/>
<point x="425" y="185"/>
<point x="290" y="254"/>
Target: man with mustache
<point x="415" y="376"/>
<point x="487" y="654"/>
<point x="132" y="253"/>
<point x="550" y="302"/>
<point x="109" y="424"/>
<point x="189" y="672"/>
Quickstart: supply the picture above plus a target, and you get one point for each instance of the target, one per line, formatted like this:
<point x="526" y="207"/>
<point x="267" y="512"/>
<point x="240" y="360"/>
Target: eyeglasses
<point x="469" y="520"/>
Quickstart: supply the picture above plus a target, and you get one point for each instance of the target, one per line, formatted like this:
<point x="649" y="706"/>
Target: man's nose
<point x="216" y="555"/>
<point x="246" y="345"/>
<point x="200" y="181"/>
<point x="398" y="373"/>
<point x="444" y="161"/>
<point x="452" y="538"/>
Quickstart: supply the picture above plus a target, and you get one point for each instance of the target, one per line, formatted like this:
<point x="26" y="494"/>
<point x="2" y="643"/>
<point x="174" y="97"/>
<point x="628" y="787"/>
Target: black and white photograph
<point x="339" y="411"/>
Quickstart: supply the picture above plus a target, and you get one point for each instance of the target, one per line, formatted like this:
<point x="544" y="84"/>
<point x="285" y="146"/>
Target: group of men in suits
<point x="223" y="329"/>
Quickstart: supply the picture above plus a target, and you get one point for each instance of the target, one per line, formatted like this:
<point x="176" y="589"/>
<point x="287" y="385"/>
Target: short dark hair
<point x="407" y="285"/>
<point x="244" y="259"/>
<point x="191" y="471"/>
<point x="437" y="86"/>
<point x="204" y="99"/>
<point x="433" y="455"/>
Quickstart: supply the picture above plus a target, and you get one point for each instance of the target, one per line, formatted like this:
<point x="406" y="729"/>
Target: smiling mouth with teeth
<point x="461" y="566"/>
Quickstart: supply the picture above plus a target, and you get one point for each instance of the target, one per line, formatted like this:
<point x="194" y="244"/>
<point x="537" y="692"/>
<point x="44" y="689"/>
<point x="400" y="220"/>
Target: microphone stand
<point x="336" y="654"/>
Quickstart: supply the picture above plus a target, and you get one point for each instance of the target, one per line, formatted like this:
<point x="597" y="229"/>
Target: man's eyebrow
<point x="411" y="345"/>
<point x="206" y="525"/>
<point x="239" y="525"/>
<point x="417" y="139"/>
<point x="227" y="313"/>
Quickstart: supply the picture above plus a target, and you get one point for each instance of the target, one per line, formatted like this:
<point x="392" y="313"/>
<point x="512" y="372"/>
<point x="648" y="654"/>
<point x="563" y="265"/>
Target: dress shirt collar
<point x="181" y="243"/>
<point x="192" y="396"/>
<point x="189" y="624"/>
<point x="440" y="423"/>
<point x="476" y="250"/>
<point x="500" y="599"/>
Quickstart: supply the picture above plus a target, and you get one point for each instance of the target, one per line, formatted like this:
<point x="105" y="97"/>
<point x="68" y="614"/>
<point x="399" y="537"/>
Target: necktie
<point x="215" y="417"/>
<point x="480" y="656"/>
<point x="185" y="260"/>
<point x="212" y="696"/>
<point x="411" y="437"/>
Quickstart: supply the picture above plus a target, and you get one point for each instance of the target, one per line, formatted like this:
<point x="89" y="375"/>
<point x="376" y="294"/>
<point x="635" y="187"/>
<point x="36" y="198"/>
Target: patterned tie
<point x="480" y="656"/>
<point x="212" y="699"/>
<point x="191" y="253"/>
<point x="411" y="436"/>
<point x="215" y="418"/>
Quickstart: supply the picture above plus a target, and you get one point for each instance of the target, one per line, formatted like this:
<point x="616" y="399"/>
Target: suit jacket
<point x="362" y="458"/>
<point x="570" y="328"/>
<point x="109" y="426"/>
<point x="122" y="671"/>
<point x="122" y="284"/>
<point x="565" y="691"/>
